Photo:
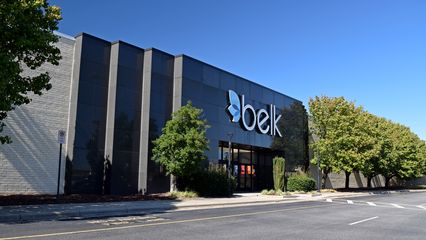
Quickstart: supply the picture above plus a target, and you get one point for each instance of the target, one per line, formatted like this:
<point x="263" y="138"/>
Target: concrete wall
<point x="30" y="164"/>
<point x="414" y="182"/>
<point x="356" y="179"/>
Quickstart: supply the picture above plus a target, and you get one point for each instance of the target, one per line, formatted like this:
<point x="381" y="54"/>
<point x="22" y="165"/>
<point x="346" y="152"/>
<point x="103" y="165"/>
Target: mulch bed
<point x="8" y="200"/>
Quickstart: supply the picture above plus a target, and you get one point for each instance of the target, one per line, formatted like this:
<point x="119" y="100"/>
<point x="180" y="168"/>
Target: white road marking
<point x="396" y="205"/>
<point x="380" y="204"/>
<point x="364" y="220"/>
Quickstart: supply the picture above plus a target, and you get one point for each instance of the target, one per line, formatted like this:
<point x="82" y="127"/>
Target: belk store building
<point x="113" y="99"/>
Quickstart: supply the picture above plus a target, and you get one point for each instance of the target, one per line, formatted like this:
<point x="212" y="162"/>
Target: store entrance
<point x="246" y="177"/>
<point x="251" y="166"/>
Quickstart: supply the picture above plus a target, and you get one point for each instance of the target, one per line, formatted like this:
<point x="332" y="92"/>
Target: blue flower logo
<point x="234" y="107"/>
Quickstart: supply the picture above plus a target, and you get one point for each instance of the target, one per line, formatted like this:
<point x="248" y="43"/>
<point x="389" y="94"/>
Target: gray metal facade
<point x="123" y="95"/>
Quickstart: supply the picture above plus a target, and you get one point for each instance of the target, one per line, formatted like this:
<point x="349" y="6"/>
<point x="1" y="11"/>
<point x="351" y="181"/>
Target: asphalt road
<point x="389" y="216"/>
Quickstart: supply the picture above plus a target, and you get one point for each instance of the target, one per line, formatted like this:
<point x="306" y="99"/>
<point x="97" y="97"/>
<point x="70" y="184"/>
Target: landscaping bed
<point x="8" y="200"/>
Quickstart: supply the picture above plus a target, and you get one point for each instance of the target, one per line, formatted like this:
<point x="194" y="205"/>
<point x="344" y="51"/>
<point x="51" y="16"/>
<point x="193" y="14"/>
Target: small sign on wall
<point x="61" y="136"/>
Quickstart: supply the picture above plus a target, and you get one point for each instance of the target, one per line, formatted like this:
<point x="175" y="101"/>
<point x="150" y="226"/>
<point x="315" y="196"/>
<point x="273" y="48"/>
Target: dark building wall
<point x="90" y="80"/>
<point x="207" y="87"/>
<point x="128" y="69"/>
<point x="122" y="97"/>
<point x="161" y="94"/>
<point x="108" y="95"/>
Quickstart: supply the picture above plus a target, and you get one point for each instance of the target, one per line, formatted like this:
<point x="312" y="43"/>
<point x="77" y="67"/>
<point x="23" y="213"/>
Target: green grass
<point x="183" y="194"/>
<point x="281" y="193"/>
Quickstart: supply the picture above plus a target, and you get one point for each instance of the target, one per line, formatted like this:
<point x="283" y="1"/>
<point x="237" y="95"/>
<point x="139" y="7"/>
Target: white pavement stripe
<point x="396" y="205"/>
<point x="329" y="200"/>
<point x="350" y="202"/>
<point x="371" y="204"/>
<point x="364" y="220"/>
<point x="422" y="207"/>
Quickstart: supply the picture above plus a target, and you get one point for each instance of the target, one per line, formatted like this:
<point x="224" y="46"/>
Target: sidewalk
<point x="111" y="209"/>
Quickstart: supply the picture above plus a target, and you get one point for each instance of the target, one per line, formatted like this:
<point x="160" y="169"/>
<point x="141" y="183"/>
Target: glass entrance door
<point x="251" y="166"/>
<point x="246" y="177"/>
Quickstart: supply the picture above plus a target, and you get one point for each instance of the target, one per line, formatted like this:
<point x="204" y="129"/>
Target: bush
<point x="271" y="192"/>
<point x="300" y="183"/>
<point x="278" y="173"/>
<point x="208" y="183"/>
<point x="184" y="194"/>
<point x="268" y="192"/>
<point x="264" y="192"/>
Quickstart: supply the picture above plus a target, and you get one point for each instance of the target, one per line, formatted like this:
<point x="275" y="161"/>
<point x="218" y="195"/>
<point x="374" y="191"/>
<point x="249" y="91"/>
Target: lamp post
<point x="229" y="162"/>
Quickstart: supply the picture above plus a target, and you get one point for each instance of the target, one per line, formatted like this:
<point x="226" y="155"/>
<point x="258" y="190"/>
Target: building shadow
<point x="82" y="211"/>
<point x="33" y="153"/>
<point x="358" y="179"/>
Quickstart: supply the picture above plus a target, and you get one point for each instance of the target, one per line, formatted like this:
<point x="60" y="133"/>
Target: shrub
<point x="184" y="194"/>
<point x="212" y="182"/>
<point x="278" y="173"/>
<point x="300" y="183"/>
<point x="264" y="192"/>
<point x="271" y="192"/>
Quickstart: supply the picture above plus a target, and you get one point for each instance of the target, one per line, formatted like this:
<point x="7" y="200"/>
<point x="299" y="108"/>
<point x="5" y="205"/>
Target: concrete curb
<point x="396" y="191"/>
<point x="115" y="212"/>
<point x="137" y="208"/>
<point x="73" y="215"/>
<point x="378" y="192"/>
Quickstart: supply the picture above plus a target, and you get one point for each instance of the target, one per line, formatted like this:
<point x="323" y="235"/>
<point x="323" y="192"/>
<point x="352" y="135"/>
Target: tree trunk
<point x="387" y="181"/>
<point x="324" y="179"/>
<point x="369" y="181"/>
<point x="347" y="174"/>
<point x="173" y="183"/>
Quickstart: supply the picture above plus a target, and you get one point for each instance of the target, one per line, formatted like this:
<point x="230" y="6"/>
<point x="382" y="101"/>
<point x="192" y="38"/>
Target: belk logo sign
<point x="265" y="122"/>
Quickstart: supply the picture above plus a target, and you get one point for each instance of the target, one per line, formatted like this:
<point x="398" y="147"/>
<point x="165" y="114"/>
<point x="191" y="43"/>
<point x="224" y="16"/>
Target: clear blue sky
<point x="370" y="52"/>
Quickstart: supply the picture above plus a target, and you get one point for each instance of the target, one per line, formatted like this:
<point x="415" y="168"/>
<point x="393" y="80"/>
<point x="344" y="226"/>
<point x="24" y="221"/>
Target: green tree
<point x="182" y="145"/>
<point x="26" y="41"/>
<point x="331" y="118"/>
<point x="348" y="139"/>
<point x="352" y="142"/>
<point x="422" y="155"/>
<point x="405" y="159"/>
<point x="375" y="127"/>
<point x="343" y="144"/>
